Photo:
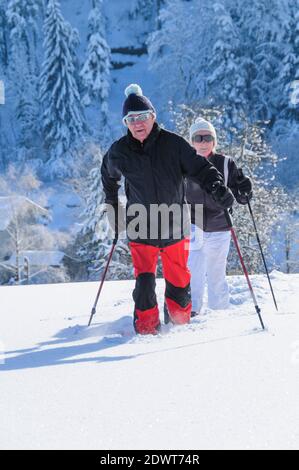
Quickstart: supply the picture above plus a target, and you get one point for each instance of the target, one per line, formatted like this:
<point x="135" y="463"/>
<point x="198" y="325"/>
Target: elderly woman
<point x="211" y="235"/>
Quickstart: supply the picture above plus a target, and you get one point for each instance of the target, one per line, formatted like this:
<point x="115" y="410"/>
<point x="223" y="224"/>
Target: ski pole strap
<point x="228" y="218"/>
<point x="225" y="170"/>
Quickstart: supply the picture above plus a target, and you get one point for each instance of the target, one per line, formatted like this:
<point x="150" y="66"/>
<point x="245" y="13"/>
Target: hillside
<point x="219" y="382"/>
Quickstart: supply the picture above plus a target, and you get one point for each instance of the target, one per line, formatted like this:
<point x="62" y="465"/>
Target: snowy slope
<point x="217" y="383"/>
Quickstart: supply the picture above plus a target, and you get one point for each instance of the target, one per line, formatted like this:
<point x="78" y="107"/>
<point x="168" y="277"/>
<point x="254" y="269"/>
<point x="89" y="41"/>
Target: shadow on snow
<point x="112" y="334"/>
<point x="57" y="352"/>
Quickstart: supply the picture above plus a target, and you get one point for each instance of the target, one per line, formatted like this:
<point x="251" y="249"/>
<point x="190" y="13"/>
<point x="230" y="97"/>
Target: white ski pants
<point x="207" y="262"/>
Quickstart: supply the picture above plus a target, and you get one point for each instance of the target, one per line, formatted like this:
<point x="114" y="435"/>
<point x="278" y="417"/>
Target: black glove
<point x="116" y="214"/>
<point x="244" y="185"/>
<point x="222" y="195"/>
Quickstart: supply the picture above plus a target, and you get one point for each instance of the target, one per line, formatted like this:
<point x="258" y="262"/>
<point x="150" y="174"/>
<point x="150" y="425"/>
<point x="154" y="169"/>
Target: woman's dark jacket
<point x="213" y="218"/>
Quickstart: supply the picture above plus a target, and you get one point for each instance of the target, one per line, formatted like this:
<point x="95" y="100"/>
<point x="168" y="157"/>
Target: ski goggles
<point x="138" y="117"/>
<point x="202" y="138"/>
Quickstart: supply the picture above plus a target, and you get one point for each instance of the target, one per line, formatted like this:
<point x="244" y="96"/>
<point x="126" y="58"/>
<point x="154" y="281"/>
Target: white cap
<point x="202" y="125"/>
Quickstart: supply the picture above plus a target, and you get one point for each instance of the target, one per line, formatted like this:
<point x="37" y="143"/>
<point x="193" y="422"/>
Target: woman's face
<point x="203" y="148"/>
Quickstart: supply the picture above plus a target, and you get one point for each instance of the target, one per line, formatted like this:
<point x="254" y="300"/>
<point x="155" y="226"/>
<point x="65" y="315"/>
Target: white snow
<point x="218" y="383"/>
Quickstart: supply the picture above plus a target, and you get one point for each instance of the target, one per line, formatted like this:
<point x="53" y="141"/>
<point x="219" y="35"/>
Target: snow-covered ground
<point x="217" y="383"/>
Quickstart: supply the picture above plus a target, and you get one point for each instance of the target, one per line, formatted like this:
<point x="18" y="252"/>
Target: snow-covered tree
<point x="173" y="54"/>
<point x="3" y="37"/>
<point x="145" y="14"/>
<point x="199" y="60"/>
<point x="142" y="7"/>
<point x="253" y="154"/>
<point x="19" y="179"/>
<point x="25" y="230"/>
<point x="233" y="56"/>
<point x="260" y="24"/>
<point x="285" y="133"/>
<point x="288" y="71"/>
<point x="23" y="69"/>
<point x="147" y="9"/>
<point x="286" y="235"/>
<point x="226" y="79"/>
<point x="95" y="72"/>
<point x="62" y="120"/>
<point x="30" y="239"/>
<point x="96" y="69"/>
<point x="21" y="17"/>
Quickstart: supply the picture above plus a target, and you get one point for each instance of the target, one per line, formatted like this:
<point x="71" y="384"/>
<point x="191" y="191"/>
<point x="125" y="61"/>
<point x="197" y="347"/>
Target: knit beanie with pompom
<point x="136" y="102"/>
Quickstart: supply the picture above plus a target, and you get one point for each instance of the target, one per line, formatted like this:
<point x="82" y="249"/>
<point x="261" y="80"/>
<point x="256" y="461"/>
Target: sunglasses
<point x="138" y="118"/>
<point x="202" y="138"/>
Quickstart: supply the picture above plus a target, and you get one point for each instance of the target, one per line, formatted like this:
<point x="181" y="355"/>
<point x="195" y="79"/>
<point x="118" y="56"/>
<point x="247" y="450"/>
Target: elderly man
<point x="154" y="163"/>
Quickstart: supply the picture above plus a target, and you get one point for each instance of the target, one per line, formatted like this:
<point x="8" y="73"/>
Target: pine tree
<point x="261" y="26"/>
<point x="288" y="77"/>
<point x="22" y="18"/>
<point x="199" y="60"/>
<point x="3" y="38"/>
<point x="179" y="50"/>
<point x="226" y="80"/>
<point x="96" y="69"/>
<point x="62" y="121"/>
<point x="285" y="133"/>
<point x="3" y="75"/>
<point x="147" y="9"/>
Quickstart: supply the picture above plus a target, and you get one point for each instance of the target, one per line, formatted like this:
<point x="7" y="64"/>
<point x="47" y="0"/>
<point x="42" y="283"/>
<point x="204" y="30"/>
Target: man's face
<point x="203" y="148"/>
<point x="140" y="130"/>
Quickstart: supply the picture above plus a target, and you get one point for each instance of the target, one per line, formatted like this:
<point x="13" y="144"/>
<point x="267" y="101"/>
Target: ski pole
<point x="93" y="310"/>
<point x="257" y="308"/>
<point x="261" y="250"/>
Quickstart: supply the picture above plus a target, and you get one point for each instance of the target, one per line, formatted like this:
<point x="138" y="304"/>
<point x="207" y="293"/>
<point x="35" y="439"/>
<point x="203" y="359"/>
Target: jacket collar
<point x="135" y="144"/>
<point x="212" y="154"/>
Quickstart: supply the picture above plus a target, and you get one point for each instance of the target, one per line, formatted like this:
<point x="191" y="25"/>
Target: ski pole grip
<point x="240" y="173"/>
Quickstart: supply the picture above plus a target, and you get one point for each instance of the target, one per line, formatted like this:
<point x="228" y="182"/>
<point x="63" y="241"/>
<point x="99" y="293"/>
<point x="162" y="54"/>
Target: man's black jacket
<point x="154" y="173"/>
<point x="213" y="219"/>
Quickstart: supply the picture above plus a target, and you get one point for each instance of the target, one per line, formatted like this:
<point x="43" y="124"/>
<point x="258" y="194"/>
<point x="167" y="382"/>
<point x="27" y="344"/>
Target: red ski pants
<point x="177" y="278"/>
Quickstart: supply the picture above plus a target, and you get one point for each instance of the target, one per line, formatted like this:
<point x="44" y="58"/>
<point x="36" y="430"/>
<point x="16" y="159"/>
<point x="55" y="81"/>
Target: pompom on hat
<point x="202" y="125"/>
<point x="136" y="102"/>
